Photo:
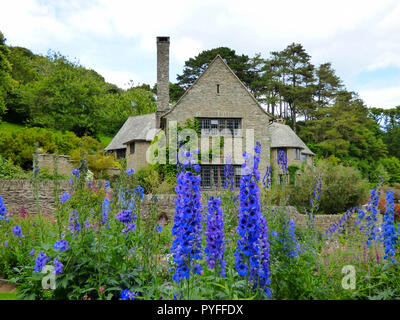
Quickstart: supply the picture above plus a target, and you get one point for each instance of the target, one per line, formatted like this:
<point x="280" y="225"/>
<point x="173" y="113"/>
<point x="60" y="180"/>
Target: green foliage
<point x="392" y="168"/>
<point x="292" y="169"/>
<point x="342" y="188"/>
<point x="116" y="108"/>
<point x="8" y="170"/>
<point x="7" y="84"/>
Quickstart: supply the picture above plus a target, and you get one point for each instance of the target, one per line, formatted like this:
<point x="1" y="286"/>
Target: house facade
<point x="230" y="120"/>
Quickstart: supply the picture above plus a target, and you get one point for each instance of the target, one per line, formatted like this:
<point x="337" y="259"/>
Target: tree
<point x="298" y="73"/>
<point x="241" y="65"/>
<point x="7" y="84"/>
<point x="345" y="129"/>
<point x="328" y="84"/>
<point x="63" y="97"/>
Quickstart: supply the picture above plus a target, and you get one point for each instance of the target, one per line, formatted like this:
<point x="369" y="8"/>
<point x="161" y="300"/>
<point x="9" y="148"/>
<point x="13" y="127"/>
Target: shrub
<point x="342" y="188"/>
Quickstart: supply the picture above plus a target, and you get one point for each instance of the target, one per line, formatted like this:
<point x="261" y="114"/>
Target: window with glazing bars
<point x="220" y="126"/>
<point x="214" y="176"/>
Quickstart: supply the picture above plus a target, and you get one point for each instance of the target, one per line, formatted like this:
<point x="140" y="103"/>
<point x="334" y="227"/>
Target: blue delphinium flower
<point x="76" y="172"/>
<point x="372" y="230"/>
<point x="124" y="216"/>
<point x="228" y="174"/>
<point x="215" y="238"/>
<point x="65" y="197"/>
<point x="129" y="227"/>
<point x="3" y="209"/>
<point x="32" y="252"/>
<point x="252" y="252"/>
<point x="17" y="231"/>
<point x="61" y="245"/>
<point x="267" y="178"/>
<point x="105" y="210"/>
<point x="186" y="246"/>
<point x="130" y="172"/>
<point x="40" y="262"/>
<point x="389" y="235"/>
<point x="125" y="199"/>
<point x="58" y="266"/>
<point x="340" y="226"/>
<point x="139" y="191"/>
<point x="128" y="295"/>
<point x="282" y="160"/>
<point x="6" y="243"/>
<point x="159" y="228"/>
<point x="291" y="244"/>
<point x="74" y="224"/>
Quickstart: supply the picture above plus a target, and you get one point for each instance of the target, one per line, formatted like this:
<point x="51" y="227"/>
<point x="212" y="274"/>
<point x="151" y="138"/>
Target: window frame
<point x="132" y="146"/>
<point x="219" y="179"/>
<point x="120" y="154"/>
<point x="220" y="126"/>
<point x="297" y="153"/>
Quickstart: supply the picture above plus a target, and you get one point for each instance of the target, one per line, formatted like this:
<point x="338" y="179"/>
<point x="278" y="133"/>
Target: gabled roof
<point x="217" y="57"/>
<point x="282" y="136"/>
<point x="141" y="127"/>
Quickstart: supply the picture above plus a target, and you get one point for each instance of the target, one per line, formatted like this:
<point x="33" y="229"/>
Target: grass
<point x="8" y="296"/>
<point x="105" y="140"/>
<point x="10" y="127"/>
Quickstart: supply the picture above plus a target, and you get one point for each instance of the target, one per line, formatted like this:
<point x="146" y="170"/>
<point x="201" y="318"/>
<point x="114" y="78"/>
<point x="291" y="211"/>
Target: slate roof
<point x="282" y="136"/>
<point x="141" y="127"/>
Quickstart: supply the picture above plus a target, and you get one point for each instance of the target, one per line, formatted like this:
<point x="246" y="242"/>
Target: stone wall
<point x="20" y="193"/>
<point x="64" y="163"/>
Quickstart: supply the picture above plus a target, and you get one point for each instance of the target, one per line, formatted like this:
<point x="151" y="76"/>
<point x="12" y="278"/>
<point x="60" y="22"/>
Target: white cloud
<point x="119" y="78"/>
<point x="356" y="36"/>
<point x="381" y="98"/>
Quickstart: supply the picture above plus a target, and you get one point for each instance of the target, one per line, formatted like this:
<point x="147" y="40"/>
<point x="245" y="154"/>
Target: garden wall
<point x="20" y="193"/>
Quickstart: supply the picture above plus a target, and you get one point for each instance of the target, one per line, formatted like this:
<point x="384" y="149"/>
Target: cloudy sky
<point x="117" y="38"/>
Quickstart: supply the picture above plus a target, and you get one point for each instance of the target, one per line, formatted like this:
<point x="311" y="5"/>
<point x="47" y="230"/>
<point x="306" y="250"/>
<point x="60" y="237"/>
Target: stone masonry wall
<point x="64" y="163"/>
<point x="20" y="193"/>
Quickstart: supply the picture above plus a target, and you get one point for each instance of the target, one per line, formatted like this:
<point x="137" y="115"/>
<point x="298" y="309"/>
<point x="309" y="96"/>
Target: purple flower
<point x="186" y="246"/>
<point x="282" y="160"/>
<point x="61" y="245"/>
<point x="128" y="295"/>
<point x="3" y="209"/>
<point x="124" y="216"/>
<point x="40" y="262"/>
<point x="215" y="248"/>
<point x="32" y="252"/>
<point x="17" y="231"/>
<point x="252" y="251"/>
<point x="58" y="266"/>
<point x="74" y="224"/>
<point x="65" y="197"/>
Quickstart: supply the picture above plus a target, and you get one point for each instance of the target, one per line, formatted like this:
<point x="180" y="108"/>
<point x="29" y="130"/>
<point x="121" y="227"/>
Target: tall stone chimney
<point x="162" y="77"/>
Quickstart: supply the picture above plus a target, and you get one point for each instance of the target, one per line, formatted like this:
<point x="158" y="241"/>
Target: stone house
<point x="284" y="139"/>
<point x="224" y="109"/>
